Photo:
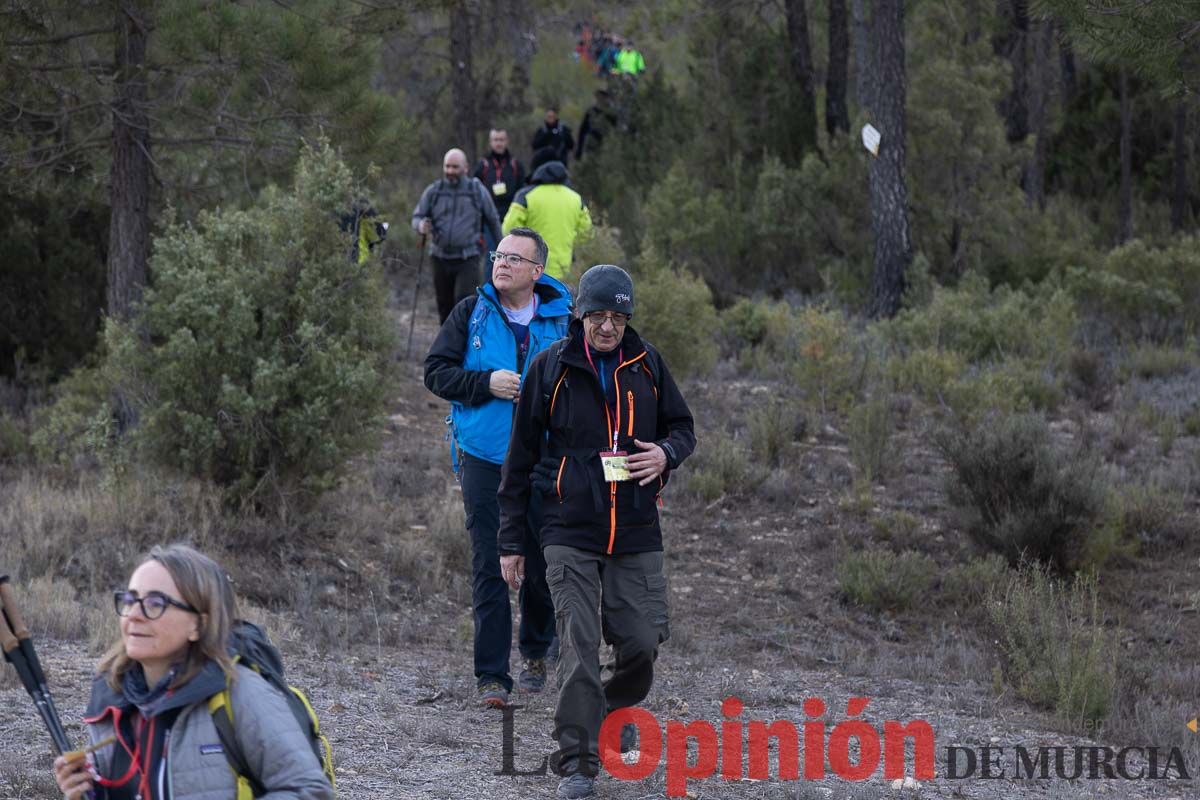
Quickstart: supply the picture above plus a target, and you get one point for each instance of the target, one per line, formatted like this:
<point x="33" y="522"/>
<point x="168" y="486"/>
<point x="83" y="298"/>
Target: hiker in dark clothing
<point x="503" y="175"/>
<point x="600" y="426"/>
<point x="554" y="134"/>
<point x="598" y="122"/>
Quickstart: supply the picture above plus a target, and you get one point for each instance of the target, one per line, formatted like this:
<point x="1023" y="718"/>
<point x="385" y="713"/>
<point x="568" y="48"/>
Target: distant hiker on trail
<point x="554" y="134"/>
<point x="599" y="427"/>
<point x="629" y="61"/>
<point x="598" y="122"/>
<point x="153" y="692"/>
<point x="452" y="211"/>
<point x="477" y="363"/>
<point x="503" y="175"/>
<point x="556" y="211"/>
<point x="606" y="58"/>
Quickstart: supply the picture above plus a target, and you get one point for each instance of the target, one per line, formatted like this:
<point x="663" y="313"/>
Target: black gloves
<point x="544" y="475"/>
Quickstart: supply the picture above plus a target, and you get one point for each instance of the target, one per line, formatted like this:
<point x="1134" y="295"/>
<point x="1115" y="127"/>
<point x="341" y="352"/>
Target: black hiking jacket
<point x="559" y="137"/>
<point x="565" y="416"/>
<point x="493" y="169"/>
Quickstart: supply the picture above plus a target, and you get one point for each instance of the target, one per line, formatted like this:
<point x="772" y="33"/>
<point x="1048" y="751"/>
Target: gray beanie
<point x="605" y="287"/>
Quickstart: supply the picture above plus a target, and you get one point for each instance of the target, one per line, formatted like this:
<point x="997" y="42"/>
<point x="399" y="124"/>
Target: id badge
<point x="499" y="188"/>
<point x="616" y="465"/>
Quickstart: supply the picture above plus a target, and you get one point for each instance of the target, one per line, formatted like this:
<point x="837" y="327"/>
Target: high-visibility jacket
<point x="630" y="61"/>
<point x="554" y="210"/>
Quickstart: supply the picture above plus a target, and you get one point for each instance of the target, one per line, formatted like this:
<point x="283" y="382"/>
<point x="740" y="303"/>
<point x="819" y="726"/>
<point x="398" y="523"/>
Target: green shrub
<point x="870" y="429"/>
<point x="985" y="325"/>
<point x="744" y="325"/>
<point x="722" y="467"/>
<point x="1020" y="496"/>
<point x="1057" y="653"/>
<point x="1152" y="516"/>
<point x="79" y="423"/>
<point x="1089" y="378"/>
<point x="602" y="247"/>
<point x="1144" y="291"/>
<point x="882" y="580"/>
<point x="969" y="585"/>
<point x="1149" y="361"/>
<point x="817" y="349"/>
<point x="774" y="426"/>
<point x="14" y="443"/>
<point x="674" y="311"/>
<point x="265" y="358"/>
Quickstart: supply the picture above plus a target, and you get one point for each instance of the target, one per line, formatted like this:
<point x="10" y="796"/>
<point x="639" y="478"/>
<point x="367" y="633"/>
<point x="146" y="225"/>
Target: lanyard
<point x="604" y="391"/>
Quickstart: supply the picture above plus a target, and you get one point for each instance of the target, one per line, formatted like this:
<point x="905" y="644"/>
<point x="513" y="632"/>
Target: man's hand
<point x="544" y="475"/>
<point x="426" y="226"/>
<point x="648" y="464"/>
<point x="505" y="384"/>
<point x="512" y="569"/>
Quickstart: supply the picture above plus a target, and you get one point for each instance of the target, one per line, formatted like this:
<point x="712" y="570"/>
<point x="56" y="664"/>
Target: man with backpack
<point x="453" y="211"/>
<point x="504" y="176"/>
<point x="552" y="208"/>
<point x="478" y="362"/>
<point x="599" y="120"/>
<point x="599" y="427"/>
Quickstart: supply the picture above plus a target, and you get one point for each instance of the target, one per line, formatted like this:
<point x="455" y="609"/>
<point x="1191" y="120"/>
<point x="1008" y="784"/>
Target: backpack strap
<point x="550" y="376"/>
<point x="220" y="708"/>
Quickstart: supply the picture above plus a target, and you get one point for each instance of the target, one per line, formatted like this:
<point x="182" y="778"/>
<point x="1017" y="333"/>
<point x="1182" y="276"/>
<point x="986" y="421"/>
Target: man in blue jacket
<point x="477" y="363"/>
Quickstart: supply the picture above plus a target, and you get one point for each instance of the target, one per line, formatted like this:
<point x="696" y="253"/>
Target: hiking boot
<point x="629" y="738"/>
<point x="493" y="695"/>
<point x="533" y="676"/>
<point x="552" y="652"/>
<point x="574" y="787"/>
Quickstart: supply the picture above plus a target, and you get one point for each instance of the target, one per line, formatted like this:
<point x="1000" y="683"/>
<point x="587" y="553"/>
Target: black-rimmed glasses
<point x="154" y="604"/>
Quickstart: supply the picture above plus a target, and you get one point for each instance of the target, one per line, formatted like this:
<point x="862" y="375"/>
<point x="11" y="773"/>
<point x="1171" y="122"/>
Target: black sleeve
<point x="568" y="140"/>
<point x="480" y="170"/>
<point x="584" y="127"/>
<point x="524" y="450"/>
<point x="676" y="432"/>
<point x="539" y="138"/>
<point x="444" y="374"/>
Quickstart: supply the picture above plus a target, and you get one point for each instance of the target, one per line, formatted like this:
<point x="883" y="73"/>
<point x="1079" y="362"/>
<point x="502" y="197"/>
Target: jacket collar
<point x="209" y="681"/>
<point x="554" y="298"/>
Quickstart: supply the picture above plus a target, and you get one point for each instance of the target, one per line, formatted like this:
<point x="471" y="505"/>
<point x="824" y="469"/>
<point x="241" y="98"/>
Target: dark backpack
<point x="253" y="648"/>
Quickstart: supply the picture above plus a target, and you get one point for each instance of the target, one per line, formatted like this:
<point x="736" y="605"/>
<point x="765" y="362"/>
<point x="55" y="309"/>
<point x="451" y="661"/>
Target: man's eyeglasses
<point x="598" y="318"/>
<point x="512" y="259"/>
<point x="154" y="604"/>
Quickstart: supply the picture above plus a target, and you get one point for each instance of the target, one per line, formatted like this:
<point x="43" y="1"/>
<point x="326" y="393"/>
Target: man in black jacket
<point x="503" y="175"/>
<point x="600" y="425"/>
<point x="598" y="122"/>
<point x="554" y="134"/>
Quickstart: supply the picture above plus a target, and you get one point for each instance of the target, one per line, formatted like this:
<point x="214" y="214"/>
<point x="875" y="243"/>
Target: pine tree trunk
<point x="800" y="59"/>
<point x="1012" y="44"/>
<point x="1179" y="193"/>
<point x="129" y="173"/>
<point x="1125" y="200"/>
<point x="462" y="81"/>
<point x="1035" y="172"/>
<point x="889" y="195"/>
<point x="863" y="71"/>
<point x="837" y="118"/>
<point x="1067" y="69"/>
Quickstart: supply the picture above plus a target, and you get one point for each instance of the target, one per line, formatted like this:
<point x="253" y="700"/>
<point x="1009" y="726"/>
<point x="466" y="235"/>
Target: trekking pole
<point x="18" y="651"/>
<point x="412" y="319"/>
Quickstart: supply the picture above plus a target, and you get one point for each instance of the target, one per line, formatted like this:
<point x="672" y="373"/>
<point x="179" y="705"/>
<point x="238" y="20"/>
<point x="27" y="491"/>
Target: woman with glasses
<point x="151" y="694"/>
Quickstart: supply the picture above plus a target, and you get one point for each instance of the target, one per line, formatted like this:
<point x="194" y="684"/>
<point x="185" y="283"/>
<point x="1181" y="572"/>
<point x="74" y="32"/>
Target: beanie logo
<point x="621" y="298"/>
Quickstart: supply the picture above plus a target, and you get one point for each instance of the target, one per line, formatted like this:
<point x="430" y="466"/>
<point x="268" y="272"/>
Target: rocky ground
<point x="756" y="615"/>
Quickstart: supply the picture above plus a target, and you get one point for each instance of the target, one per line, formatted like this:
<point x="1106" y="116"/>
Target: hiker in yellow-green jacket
<point x="629" y="61"/>
<point x="556" y="211"/>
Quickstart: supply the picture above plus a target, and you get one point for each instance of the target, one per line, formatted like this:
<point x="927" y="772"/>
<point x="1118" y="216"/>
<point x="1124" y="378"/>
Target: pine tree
<point x="177" y="101"/>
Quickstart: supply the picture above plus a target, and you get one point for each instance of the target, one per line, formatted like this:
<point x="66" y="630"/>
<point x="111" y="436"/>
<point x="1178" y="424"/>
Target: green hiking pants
<point x="625" y="598"/>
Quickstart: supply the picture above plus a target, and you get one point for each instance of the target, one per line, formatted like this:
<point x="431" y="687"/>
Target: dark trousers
<point x="623" y="598"/>
<point x="453" y="279"/>
<point x="489" y="592"/>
